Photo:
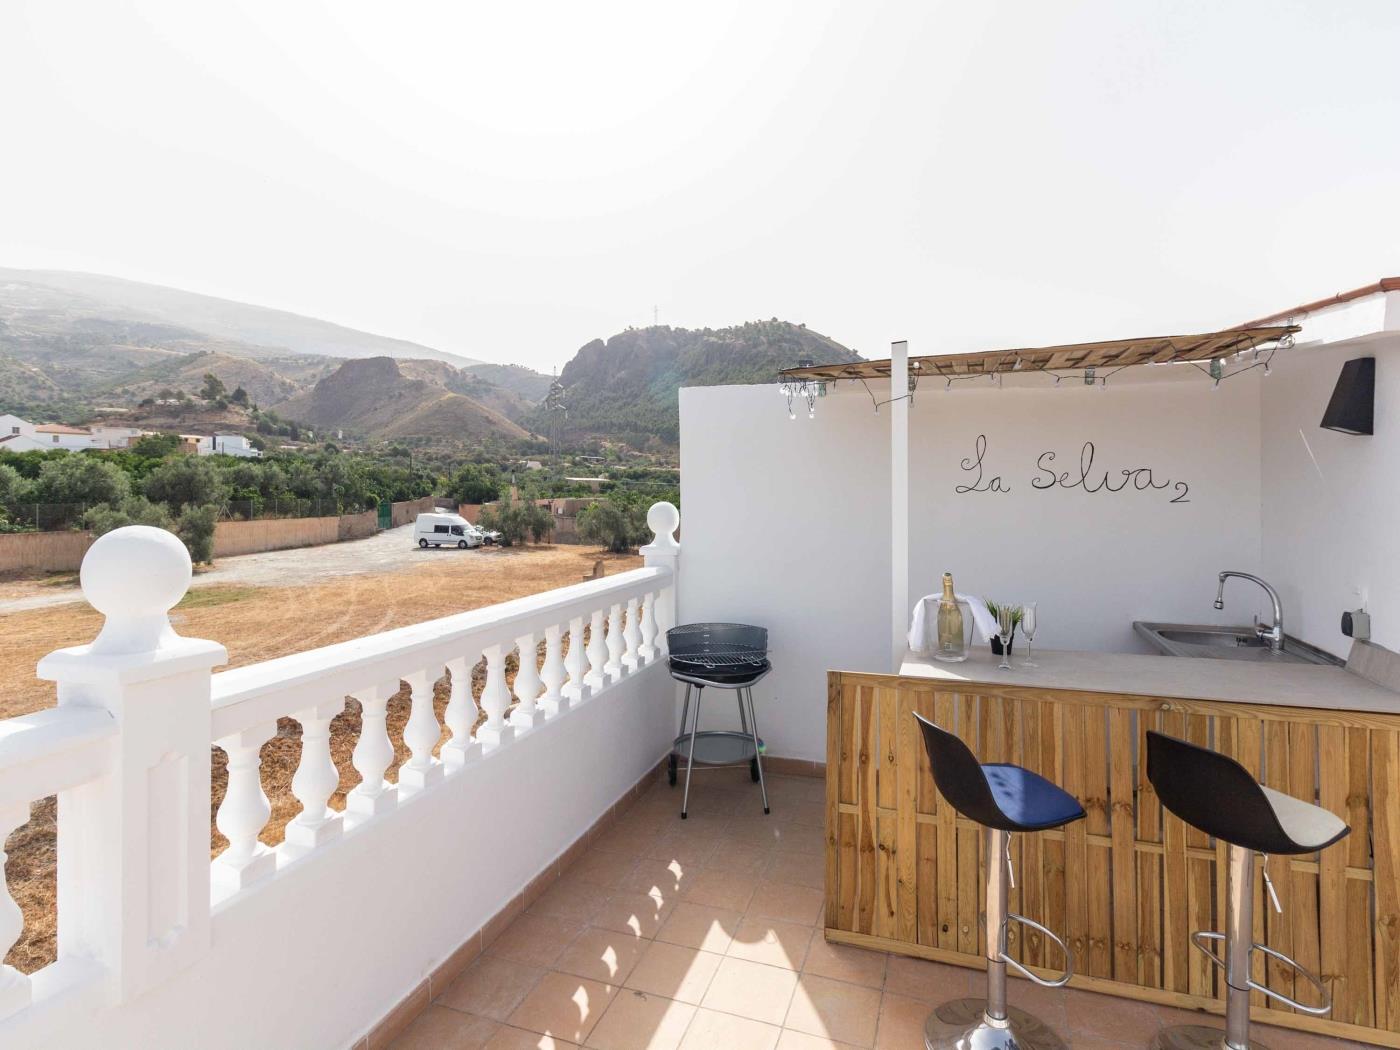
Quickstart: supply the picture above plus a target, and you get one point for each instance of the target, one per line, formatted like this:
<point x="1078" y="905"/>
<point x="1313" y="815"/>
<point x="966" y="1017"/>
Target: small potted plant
<point x="995" y="610"/>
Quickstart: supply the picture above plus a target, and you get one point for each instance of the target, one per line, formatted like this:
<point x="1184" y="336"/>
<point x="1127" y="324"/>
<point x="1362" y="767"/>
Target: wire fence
<point x="57" y="517"/>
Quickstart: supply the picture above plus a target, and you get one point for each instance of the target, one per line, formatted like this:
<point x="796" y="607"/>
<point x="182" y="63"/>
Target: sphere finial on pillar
<point x="663" y="519"/>
<point x="134" y="576"/>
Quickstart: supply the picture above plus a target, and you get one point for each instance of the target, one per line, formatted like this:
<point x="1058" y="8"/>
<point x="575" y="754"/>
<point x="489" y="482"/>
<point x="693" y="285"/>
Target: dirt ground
<point x="309" y="606"/>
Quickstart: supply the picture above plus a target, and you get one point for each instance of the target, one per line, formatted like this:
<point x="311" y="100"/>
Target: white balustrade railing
<point x="128" y="747"/>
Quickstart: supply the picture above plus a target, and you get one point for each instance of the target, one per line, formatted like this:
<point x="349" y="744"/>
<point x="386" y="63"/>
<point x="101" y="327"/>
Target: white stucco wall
<point x="786" y="522"/>
<point x="1331" y="530"/>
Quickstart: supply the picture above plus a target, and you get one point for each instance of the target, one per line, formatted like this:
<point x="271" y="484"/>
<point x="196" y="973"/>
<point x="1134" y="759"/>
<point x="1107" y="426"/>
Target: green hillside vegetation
<point x="627" y="387"/>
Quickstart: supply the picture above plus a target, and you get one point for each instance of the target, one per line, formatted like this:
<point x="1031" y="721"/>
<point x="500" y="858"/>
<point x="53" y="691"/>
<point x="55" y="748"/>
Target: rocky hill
<point x="374" y="398"/>
<point x="627" y="387"/>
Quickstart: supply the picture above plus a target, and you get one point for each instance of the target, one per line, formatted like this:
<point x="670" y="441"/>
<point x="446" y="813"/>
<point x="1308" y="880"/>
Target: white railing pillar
<point x="133" y="846"/>
<point x="243" y="813"/>
<point x="373" y="754"/>
<point x="314" y="782"/>
<point x="554" y="702"/>
<point x="632" y="637"/>
<point x="663" y="552"/>
<point x="460" y="717"/>
<point x="14" y="986"/>
<point x="597" y="651"/>
<point x="577" y="690"/>
<point x="495" y="698"/>
<point x="527" y="715"/>
<point x="648" y="647"/>
<point x="613" y="668"/>
<point x="421" y="735"/>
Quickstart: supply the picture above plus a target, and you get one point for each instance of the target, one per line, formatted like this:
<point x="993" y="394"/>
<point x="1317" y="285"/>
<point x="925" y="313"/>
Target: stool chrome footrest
<point x="963" y="1024"/>
<point x="1201" y="936"/>
<point x="1058" y="982"/>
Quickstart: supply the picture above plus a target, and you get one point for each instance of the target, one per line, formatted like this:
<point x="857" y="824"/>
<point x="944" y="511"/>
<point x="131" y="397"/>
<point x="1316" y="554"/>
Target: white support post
<point x="648" y="648"/>
<point x="899" y="502"/>
<point x="373" y="754"/>
<point x="632" y="637"/>
<point x="421" y="735"/>
<point x="243" y="814"/>
<point x="613" y="667"/>
<point x="313" y="784"/>
<point x="527" y="715"/>
<point x="554" y="702"/>
<point x="597" y="676"/>
<point x="133" y="846"/>
<point x="663" y="552"/>
<point x="577" y="690"/>
<point x="460" y="716"/>
<point x="495" y="698"/>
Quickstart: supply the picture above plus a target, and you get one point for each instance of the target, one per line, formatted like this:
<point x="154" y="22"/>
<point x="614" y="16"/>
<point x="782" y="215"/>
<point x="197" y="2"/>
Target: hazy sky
<point x="510" y="180"/>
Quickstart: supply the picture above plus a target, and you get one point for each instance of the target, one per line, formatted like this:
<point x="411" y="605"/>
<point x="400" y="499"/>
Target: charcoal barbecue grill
<point x="721" y="656"/>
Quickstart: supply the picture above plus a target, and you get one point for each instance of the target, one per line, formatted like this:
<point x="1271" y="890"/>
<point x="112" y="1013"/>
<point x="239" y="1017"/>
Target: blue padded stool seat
<point x="1029" y="801"/>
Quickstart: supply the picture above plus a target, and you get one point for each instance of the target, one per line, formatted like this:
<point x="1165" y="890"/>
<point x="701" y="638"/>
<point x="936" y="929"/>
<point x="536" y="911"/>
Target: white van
<point x="437" y="529"/>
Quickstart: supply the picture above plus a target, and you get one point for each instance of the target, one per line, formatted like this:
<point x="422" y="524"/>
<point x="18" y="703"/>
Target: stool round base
<point x="961" y="1024"/>
<point x="1197" y="1037"/>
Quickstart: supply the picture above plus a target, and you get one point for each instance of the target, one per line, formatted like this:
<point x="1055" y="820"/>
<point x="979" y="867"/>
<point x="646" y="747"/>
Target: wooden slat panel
<point x="1385" y="844"/>
<point x="1030" y="873"/>
<point x="969" y="885"/>
<point x="1069" y="726"/>
<point x="1278" y="925"/>
<point x="1250" y="754"/>
<point x="1124" y="899"/>
<point x="1332" y="795"/>
<point x="1149" y="865"/>
<point x="1176" y="915"/>
<point x="867" y="828"/>
<point x="1301" y="890"/>
<point x="926" y="878"/>
<point x="1098" y="876"/>
<point x="1200" y="882"/>
<point x="1360" y="929"/>
<point x="837" y="757"/>
<point x="947" y="844"/>
<point x="1052" y="850"/>
<point x="905" y="733"/>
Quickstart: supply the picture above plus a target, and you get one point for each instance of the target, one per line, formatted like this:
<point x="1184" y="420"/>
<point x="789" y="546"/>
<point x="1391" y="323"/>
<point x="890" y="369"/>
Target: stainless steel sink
<point x="1227" y="643"/>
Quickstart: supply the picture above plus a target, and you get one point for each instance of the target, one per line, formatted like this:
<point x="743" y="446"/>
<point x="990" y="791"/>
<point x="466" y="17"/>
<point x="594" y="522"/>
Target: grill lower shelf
<point x="717" y="748"/>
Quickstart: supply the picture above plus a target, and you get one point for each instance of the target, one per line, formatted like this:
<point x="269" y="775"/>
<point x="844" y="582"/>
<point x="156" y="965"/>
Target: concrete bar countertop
<point x="1178" y="677"/>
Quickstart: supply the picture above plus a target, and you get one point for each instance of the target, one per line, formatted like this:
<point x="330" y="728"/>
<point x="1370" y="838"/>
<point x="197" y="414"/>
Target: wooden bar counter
<point x="1126" y="886"/>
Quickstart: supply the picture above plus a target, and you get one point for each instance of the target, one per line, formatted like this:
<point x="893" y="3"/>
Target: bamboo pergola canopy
<point x="1113" y="353"/>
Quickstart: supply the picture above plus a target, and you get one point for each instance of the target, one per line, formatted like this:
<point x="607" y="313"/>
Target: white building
<point x="115" y="437"/>
<point x="13" y="426"/>
<point x="60" y="435"/>
<point x="230" y="445"/>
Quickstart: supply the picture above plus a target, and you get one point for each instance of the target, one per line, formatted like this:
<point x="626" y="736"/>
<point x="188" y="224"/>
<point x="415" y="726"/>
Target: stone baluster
<point x="578" y="688"/>
<point x="613" y="667"/>
<point x="554" y="702"/>
<point x="461" y="715"/>
<point x="14" y="986"/>
<point x="244" y="813"/>
<point x="632" y="636"/>
<point x="314" y="782"/>
<point x="495" y="698"/>
<point x="597" y="652"/>
<point x="648" y="648"/>
<point x="421" y="734"/>
<point x="373" y="754"/>
<point x="527" y="714"/>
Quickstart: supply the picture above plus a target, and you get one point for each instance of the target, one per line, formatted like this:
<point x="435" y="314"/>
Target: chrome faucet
<point x="1271" y="635"/>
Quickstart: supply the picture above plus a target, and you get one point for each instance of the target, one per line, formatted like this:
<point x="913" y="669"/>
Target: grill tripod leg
<point x="690" y="758"/>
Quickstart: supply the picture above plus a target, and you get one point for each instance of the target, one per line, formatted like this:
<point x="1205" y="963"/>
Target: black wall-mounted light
<point x="1352" y="409"/>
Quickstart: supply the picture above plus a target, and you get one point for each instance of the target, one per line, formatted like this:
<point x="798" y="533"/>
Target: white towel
<point x="926" y="613"/>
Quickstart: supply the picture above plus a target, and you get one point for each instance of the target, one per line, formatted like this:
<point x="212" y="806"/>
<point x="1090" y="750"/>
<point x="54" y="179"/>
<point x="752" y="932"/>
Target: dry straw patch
<point x="261" y="623"/>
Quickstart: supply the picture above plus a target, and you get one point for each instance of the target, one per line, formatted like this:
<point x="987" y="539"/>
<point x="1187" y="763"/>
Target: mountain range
<point x="75" y="345"/>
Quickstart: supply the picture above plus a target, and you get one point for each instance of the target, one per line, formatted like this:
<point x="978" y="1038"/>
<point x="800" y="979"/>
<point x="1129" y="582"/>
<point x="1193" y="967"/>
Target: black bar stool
<point x="1003" y="799"/>
<point x="1215" y="794"/>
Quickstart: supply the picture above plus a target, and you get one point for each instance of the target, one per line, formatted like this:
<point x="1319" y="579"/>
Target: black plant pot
<point x="996" y="644"/>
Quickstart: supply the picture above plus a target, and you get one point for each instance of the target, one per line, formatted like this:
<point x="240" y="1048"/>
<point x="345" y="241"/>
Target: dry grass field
<point x="260" y="623"/>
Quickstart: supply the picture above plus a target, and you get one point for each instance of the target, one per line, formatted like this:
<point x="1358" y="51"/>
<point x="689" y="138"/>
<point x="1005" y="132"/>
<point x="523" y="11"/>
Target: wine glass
<point x="1006" y="628"/>
<point x="1028" y="629"/>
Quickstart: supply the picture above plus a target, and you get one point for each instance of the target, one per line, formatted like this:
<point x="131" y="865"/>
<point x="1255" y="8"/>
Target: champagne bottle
<point x="950" y="623"/>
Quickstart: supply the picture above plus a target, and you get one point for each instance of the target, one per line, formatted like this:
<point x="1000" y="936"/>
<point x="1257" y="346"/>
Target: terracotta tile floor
<point x="704" y="935"/>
